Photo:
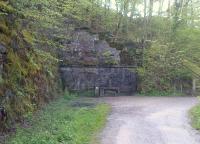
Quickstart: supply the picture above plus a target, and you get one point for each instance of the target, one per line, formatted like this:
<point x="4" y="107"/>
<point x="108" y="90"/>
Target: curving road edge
<point x="150" y="120"/>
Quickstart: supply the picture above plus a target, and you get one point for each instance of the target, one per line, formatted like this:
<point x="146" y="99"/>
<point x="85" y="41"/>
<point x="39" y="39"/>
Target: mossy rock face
<point x="28" y="76"/>
<point x="3" y="28"/>
<point x="2" y="60"/>
<point x="27" y="36"/>
<point x="5" y="8"/>
<point x="89" y="61"/>
<point x="4" y="39"/>
<point x="5" y="31"/>
<point x="2" y="49"/>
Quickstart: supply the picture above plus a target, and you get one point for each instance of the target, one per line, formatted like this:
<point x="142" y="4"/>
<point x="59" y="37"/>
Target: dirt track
<point x="150" y="120"/>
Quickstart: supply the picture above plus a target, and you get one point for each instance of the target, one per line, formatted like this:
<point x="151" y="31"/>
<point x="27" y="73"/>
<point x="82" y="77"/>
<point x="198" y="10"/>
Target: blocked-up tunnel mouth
<point x="99" y="81"/>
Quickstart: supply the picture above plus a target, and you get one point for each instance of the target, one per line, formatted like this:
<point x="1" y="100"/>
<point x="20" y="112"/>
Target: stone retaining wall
<point x="80" y="79"/>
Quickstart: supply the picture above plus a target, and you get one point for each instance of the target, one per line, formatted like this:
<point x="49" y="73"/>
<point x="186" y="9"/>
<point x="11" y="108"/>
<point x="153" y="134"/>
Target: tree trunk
<point x="160" y="7"/>
<point x="151" y="9"/>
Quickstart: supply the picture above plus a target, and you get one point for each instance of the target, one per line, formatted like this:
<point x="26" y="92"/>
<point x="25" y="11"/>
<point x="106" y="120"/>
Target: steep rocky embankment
<point x="28" y="74"/>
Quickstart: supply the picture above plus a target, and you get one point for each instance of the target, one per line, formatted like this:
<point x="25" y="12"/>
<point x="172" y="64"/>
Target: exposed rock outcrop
<point x="89" y="62"/>
<point x="86" y="49"/>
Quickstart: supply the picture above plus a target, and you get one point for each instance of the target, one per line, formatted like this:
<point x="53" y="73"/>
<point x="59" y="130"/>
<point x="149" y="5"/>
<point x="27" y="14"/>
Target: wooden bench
<point x="104" y="89"/>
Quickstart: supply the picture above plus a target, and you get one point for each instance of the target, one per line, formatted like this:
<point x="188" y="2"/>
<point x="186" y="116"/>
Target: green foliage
<point x="5" y="8"/>
<point x="193" y="67"/>
<point x="159" y="68"/>
<point x="86" y="93"/>
<point x="164" y="62"/>
<point x="108" y="58"/>
<point x="70" y="96"/>
<point x="107" y="54"/>
<point x="3" y="28"/>
<point x="60" y="123"/>
<point x="27" y="36"/>
<point x="160" y="93"/>
<point x="187" y="42"/>
<point x="195" y="115"/>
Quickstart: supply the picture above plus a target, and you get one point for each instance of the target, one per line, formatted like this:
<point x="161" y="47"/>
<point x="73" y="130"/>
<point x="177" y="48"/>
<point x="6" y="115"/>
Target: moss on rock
<point x="5" y="8"/>
<point x="27" y="36"/>
<point x="3" y="28"/>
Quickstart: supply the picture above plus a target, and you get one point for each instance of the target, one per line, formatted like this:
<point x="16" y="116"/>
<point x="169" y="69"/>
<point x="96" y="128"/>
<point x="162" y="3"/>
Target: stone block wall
<point x="87" y="78"/>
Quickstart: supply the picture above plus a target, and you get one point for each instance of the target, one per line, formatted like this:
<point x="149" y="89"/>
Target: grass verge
<point x="195" y="115"/>
<point x="61" y="123"/>
<point x="161" y="93"/>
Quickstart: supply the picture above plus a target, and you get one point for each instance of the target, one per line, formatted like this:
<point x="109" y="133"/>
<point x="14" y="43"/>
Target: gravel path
<point x="150" y="120"/>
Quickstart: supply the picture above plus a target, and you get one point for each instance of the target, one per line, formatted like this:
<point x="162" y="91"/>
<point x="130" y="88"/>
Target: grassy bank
<point x="161" y="93"/>
<point x="63" y="122"/>
<point x="195" y="114"/>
